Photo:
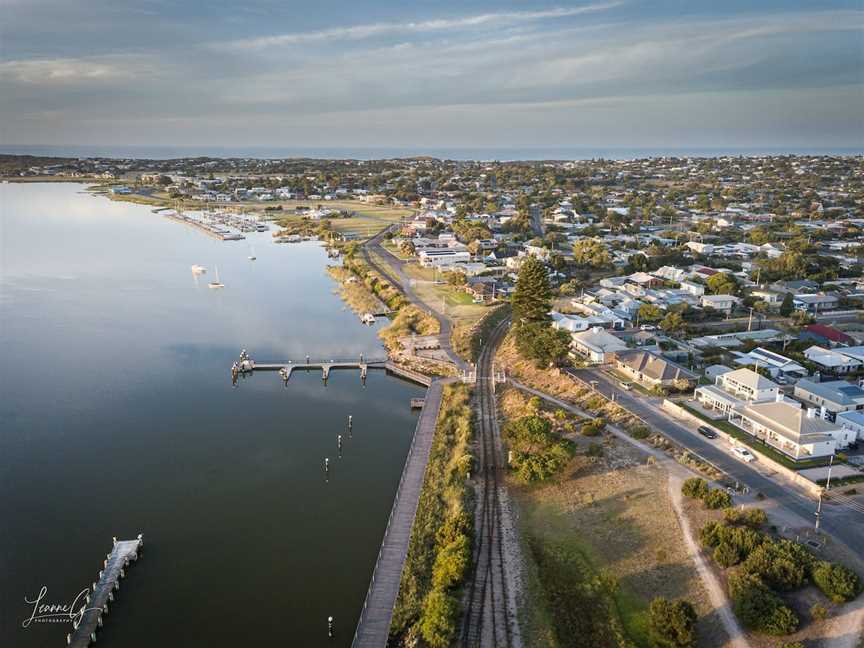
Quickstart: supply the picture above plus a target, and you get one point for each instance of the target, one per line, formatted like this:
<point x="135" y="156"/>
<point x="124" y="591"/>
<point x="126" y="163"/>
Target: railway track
<point x="487" y="619"/>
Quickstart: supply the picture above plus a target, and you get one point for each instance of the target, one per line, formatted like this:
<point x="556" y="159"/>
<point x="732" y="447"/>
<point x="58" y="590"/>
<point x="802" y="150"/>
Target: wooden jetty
<point x="247" y="365"/>
<point x="101" y="592"/>
<point x="373" y="628"/>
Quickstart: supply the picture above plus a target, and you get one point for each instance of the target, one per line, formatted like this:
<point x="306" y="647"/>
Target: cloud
<point x="70" y="71"/>
<point x="359" y="32"/>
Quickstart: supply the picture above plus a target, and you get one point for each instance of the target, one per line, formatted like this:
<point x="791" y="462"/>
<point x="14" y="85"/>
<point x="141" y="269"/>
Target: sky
<point x="430" y="74"/>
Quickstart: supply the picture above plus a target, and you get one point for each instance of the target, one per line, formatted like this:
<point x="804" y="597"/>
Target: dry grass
<point x="615" y="514"/>
<point x="354" y="293"/>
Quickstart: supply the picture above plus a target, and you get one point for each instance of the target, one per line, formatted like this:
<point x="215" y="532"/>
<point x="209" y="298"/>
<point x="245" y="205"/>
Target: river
<point x="118" y="417"/>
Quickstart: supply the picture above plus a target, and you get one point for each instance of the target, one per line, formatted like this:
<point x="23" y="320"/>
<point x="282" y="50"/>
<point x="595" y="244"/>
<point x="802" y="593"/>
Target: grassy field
<point x="600" y="541"/>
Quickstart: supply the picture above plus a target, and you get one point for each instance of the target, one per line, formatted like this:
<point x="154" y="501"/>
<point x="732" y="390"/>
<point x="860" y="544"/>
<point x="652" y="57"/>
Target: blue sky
<point x="610" y="73"/>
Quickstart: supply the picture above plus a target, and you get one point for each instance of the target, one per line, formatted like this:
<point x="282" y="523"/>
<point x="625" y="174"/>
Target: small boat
<point x="252" y="256"/>
<point x="368" y="318"/>
<point x="216" y="283"/>
<point x="198" y="270"/>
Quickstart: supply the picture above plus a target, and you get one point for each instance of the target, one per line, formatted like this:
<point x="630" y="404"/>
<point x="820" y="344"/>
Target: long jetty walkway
<point x="373" y="628"/>
<point x="102" y="591"/>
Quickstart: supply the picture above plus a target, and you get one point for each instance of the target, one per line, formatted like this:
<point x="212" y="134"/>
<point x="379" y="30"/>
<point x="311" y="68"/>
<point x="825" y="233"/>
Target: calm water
<point x="117" y="416"/>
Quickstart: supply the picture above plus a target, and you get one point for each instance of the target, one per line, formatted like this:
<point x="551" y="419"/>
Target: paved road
<point x="842" y="523"/>
<point x="397" y="268"/>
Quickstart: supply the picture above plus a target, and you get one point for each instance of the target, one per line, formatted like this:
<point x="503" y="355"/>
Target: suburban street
<point x="843" y="523"/>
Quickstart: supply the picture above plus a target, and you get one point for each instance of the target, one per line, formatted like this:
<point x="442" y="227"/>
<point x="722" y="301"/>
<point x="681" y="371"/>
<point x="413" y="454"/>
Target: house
<point x="652" y="370"/>
<point x="781" y="368"/>
<point x="692" y="288"/>
<point x="825" y="335"/>
<point x="596" y="345"/>
<point x="773" y="299"/>
<point x="831" y="361"/>
<point x="798" y="433"/>
<point x="736" y="389"/>
<point x="815" y="303"/>
<point x="722" y="303"/>
<point x="830" y="397"/>
<point x="853" y="421"/>
<point x="442" y="258"/>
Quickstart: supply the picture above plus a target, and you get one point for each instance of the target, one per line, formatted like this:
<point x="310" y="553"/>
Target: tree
<point x="722" y="283"/>
<point x="539" y="342"/>
<point x="673" y="323"/>
<point x="672" y="623"/>
<point x="837" y="582"/>
<point x="650" y="313"/>
<point x="591" y="253"/>
<point x="788" y="306"/>
<point x="532" y="297"/>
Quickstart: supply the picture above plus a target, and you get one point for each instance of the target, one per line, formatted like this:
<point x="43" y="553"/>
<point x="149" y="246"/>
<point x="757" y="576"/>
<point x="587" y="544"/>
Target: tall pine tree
<point x="533" y="297"/>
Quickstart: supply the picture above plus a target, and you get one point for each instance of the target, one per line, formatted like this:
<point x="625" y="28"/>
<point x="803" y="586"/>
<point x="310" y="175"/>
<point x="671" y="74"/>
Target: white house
<point x="595" y="343"/>
<point x="797" y="433"/>
<point x="780" y="367"/>
<point x="853" y="421"/>
<point x="723" y="303"/>
<point x="831" y="397"/>
<point x="736" y="389"/>
<point x="442" y="258"/>
<point x="831" y="361"/>
<point x="692" y="288"/>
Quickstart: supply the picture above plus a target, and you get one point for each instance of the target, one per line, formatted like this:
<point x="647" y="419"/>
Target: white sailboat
<point x="216" y="283"/>
<point x="252" y="256"/>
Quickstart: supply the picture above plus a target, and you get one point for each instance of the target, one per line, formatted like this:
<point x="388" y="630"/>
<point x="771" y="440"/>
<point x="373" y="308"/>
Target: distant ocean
<point x="360" y="153"/>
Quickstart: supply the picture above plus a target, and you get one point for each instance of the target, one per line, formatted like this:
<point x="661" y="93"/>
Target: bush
<point x="781" y="564"/>
<point x="753" y="517"/>
<point x="672" y="624"/>
<point x="695" y="487"/>
<point x="593" y="427"/>
<point x="838" y="583"/>
<point x="594" y="450"/>
<point x="819" y="612"/>
<point x="639" y="432"/>
<point x="538" y="452"/>
<point x="717" y="499"/>
<point x="726" y="555"/>
<point x="439" y="618"/>
<point x="760" y="609"/>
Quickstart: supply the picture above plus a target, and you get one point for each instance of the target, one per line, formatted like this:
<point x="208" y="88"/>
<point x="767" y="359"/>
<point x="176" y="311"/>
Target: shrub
<point x="672" y="623"/>
<point x="594" y="450"/>
<point x="439" y="618"/>
<point x="593" y="427"/>
<point x="752" y="517"/>
<point x="838" y="583"/>
<point x="717" y="499"/>
<point x="759" y="608"/>
<point x="781" y="564"/>
<point x="726" y="555"/>
<point x="639" y="432"/>
<point x="819" y="612"/>
<point x="695" y="487"/>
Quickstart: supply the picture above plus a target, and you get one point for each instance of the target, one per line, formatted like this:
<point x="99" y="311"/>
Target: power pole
<point x="818" y="512"/>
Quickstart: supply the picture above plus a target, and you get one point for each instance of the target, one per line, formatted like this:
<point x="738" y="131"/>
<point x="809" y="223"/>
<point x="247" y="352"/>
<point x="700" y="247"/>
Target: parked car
<point x="743" y="453"/>
<point x="626" y="386"/>
<point x="707" y="432"/>
<point x="647" y="327"/>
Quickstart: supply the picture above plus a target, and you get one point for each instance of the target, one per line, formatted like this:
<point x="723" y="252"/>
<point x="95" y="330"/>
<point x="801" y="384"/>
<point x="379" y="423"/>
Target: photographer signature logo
<point x="44" y="611"/>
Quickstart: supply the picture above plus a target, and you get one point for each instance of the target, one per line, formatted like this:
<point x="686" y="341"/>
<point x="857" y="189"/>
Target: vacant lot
<point x="600" y="542"/>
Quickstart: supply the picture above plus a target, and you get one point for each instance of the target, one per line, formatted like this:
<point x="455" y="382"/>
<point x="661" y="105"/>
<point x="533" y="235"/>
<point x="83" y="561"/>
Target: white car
<point x="647" y="327"/>
<point x="743" y="453"/>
